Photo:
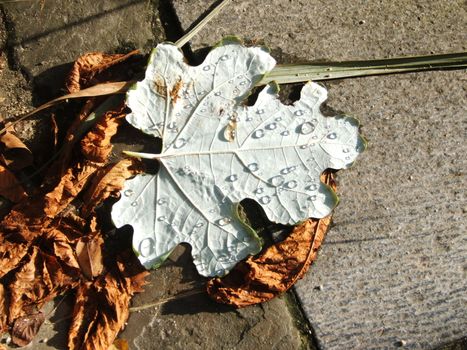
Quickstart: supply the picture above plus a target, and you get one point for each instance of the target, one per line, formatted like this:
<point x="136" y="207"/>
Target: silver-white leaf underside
<point x="217" y="152"/>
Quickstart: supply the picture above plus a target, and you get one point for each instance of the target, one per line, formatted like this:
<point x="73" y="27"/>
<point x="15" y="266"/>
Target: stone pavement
<point x="392" y="271"/>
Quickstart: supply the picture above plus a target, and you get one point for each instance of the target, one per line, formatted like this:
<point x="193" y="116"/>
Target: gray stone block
<point x="47" y="36"/>
<point x="392" y="269"/>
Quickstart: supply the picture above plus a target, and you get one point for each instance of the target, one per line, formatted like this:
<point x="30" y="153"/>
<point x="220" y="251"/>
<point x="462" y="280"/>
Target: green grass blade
<point x="295" y="73"/>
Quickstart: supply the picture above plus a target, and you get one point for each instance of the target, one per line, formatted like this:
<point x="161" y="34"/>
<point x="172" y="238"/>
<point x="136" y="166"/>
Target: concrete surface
<point x="392" y="272"/>
<point x="45" y="36"/>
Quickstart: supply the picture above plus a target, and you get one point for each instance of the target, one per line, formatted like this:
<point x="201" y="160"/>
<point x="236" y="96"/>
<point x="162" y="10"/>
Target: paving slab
<point x="392" y="272"/>
<point x="45" y="36"/>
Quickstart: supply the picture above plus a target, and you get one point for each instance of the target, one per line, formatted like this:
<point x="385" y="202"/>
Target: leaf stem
<point x="187" y="37"/>
<point x="296" y="73"/>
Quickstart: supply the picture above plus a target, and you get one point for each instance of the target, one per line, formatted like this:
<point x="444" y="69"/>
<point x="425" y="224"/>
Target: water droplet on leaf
<point x="252" y="167"/>
<point x="134" y="204"/>
<point x="291" y="184"/>
<point x="271" y="126"/>
<point x="287" y="170"/>
<point x="265" y="200"/>
<point x="223" y="221"/>
<point x="179" y="143"/>
<point x="224" y="58"/>
<point x="332" y="136"/>
<point x="146" y="247"/>
<point x="232" y="178"/>
<point x="276" y="180"/>
<point x="307" y="128"/>
<point x="162" y="201"/>
<point x="285" y="133"/>
<point x="128" y="193"/>
<point x="259" y="190"/>
<point x="260" y="111"/>
<point x="258" y="134"/>
<point x="299" y="113"/>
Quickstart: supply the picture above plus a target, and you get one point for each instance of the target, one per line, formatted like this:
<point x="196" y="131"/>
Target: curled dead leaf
<point x="276" y="270"/>
<point x="89" y="253"/>
<point x="13" y="152"/>
<point x="119" y="344"/>
<point x="102" y="307"/>
<point x="25" y="328"/>
<point x="10" y="187"/>
<point x="96" y="145"/>
<point x="3" y="309"/>
<point x="107" y="182"/>
<point x="87" y="66"/>
<point x="70" y="185"/>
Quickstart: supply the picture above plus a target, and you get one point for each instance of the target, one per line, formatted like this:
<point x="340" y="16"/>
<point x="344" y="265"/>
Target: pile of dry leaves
<point x="52" y="241"/>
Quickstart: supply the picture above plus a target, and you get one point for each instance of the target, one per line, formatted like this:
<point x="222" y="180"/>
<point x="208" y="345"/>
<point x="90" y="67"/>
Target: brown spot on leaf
<point x="174" y="94"/>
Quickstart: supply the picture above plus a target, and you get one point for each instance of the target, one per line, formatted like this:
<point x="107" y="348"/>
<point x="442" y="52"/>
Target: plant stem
<point x="295" y="73"/>
<point x="187" y="37"/>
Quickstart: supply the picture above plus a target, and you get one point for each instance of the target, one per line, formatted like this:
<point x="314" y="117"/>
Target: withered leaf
<point x="10" y="188"/>
<point x="96" y="145"/>
<point x="89" y="253"/>
<point x="107" y="182"/>
<point x="87" y="66"/>
<point x="120" y="344"/>
<point x="70" y="185"/>
<point x="39" y="280"/>
<point x="13" y="152"/>
<point x="62" y="247"/>
<point x="101" y="308"/>
<point x="3" y="309"/>
<point x="25" y="328"/>
<point x="276" y="270"/>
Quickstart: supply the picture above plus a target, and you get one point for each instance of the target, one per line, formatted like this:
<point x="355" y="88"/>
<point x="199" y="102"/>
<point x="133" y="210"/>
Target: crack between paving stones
<point x="303" y="325"/>
<point x="172" y="27"/>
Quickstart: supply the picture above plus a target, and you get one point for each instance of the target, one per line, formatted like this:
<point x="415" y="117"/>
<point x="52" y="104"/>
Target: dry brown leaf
<point x="274" y="271"/>
<point x="60" y="166"/>
<point x="10" y="188"/>
<point x="89" y="253"/>
<point x="10" y="255"/>
<point x="70" y="185"/>
<point x="96" y="145"/>
<point x="3" y="309"/>
<point x="119" y="344"/>
<point x="13" y="152"/>
<point x="25" y="328"/>
<point x="40" y="279"/>
<point x="62" y="247"/>
<point x="107" y="182"/>
<point x="101" y="307"/>
<point x="87" y="66"/>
